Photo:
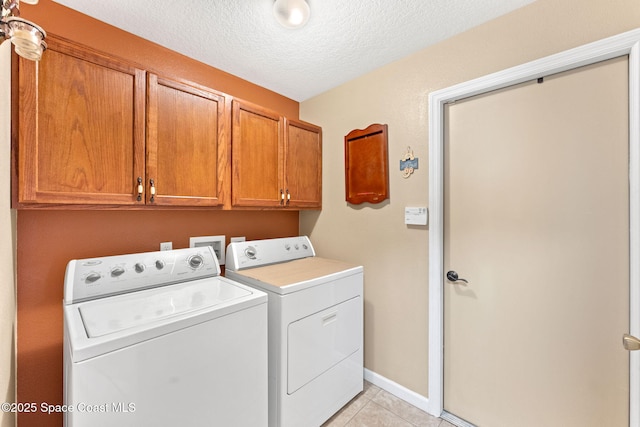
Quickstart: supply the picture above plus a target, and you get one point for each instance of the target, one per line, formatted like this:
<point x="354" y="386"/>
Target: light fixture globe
<point x="291" y="13"/>
<point x="27" y="37"/>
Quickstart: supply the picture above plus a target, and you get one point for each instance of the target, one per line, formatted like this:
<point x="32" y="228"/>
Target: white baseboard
<point x="397" y="390"/>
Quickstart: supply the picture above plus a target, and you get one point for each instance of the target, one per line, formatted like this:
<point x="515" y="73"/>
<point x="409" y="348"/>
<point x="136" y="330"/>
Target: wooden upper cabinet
<point x="80" y="121"/>
<point x="187" y="142"/>
<point x="257" y="156"/>
<point x="303" y="164"/>
<point x="277" y="162"/>
<point x="96" y="130"/>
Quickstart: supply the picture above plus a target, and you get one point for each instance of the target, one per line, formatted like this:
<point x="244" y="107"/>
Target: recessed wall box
<point x="217" y="242"/>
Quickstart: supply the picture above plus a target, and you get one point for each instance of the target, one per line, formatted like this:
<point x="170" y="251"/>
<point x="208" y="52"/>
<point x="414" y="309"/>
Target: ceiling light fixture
<point x="27" y="37"/>
<point x="291" y="13"/>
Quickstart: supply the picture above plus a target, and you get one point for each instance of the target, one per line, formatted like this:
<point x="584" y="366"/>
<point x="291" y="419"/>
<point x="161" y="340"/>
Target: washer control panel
<point x="99" y="277"/>
<point x="257" y="253"/>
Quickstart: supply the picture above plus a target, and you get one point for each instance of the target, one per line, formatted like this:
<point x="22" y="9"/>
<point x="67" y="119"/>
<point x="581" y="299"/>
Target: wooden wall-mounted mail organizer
<point x="366" y="165"/>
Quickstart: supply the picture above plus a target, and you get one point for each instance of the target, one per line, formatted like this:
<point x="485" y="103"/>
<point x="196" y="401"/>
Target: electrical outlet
<point x="238" y="239"/>
<point x="166" y="246"/>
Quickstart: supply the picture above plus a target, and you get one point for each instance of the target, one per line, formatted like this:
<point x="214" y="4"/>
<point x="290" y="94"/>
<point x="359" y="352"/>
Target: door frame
<point x="620" y="45"/>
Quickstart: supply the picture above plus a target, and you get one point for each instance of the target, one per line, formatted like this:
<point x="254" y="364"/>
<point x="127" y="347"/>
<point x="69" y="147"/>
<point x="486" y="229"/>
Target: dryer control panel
<point x="258" y="253"/>
<point x="91" y="278"/>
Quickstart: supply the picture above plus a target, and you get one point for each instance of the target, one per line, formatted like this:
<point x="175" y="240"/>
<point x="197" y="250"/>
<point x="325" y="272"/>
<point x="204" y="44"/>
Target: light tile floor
<point x="375" y="407"/>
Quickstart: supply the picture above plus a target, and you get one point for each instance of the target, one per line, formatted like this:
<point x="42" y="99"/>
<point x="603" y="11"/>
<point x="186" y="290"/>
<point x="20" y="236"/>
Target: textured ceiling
<point x="342" y="40"/>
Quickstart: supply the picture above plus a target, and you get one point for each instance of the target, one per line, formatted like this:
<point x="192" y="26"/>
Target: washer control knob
<point x="250" y="252"/>
<point x="195" y="261"/>
<point x="117" y="271"/>
<point x="160" y="264"/>
<point x="139" y="267"/>
<point x="92" y="277"/>
<point x="287" y="246"/>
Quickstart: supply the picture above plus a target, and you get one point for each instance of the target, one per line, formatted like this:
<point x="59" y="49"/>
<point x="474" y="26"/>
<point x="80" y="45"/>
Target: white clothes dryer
<point x="315" y="326"/>
<point x="160" y="339"/>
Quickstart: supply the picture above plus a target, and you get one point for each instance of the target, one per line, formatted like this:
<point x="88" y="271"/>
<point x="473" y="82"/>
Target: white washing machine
<point x="315" y="326"/>
<point x="160" y="339"/>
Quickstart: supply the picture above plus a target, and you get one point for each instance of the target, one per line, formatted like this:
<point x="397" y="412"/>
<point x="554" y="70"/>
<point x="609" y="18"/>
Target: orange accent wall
<point x="47" y="240"/>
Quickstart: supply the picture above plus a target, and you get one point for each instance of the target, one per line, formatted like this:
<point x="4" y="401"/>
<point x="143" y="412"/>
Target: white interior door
<point x="536" y="218"/>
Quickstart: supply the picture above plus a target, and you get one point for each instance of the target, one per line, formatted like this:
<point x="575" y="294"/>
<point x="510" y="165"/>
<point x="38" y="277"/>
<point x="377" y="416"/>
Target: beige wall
<point x="395" y="255"/>
<point x="7" y="243"/>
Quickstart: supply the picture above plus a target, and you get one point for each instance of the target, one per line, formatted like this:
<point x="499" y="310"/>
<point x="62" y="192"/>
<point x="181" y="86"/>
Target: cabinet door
<point x="257" y="156"/>
<point x="186" y="144"/>
<point x="80" y="128"/>
<point x="303" y="164"/>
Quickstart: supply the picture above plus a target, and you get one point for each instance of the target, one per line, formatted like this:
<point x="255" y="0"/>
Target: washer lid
<point x="109" y="315"/>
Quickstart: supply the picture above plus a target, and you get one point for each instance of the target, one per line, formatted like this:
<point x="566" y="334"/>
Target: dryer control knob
<point x="250" y="252"/>
<point x="139" y="267"/>
<point x="159" y="264"/>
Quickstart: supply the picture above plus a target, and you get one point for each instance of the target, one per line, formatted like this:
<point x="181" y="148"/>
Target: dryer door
<point x="322" y="340"/>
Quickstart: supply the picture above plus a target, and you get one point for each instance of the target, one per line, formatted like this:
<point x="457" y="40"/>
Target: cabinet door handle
<point x="281" y="197"/>
<point x="140" y="189"/>
<point x="152" y="190"/>
<point x="288" y="197"/>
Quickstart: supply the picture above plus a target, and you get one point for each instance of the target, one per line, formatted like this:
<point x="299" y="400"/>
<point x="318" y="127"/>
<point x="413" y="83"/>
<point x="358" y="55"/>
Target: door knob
<point x="452" y="276"/>
<point x="630" y="342"/>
